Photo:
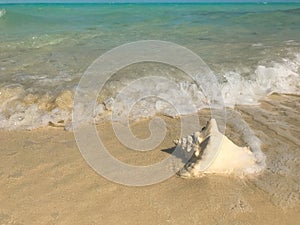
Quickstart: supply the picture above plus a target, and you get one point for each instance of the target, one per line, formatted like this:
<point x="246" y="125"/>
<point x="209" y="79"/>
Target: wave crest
<point x="2" y="12"/>
<point x="21" y="109"/>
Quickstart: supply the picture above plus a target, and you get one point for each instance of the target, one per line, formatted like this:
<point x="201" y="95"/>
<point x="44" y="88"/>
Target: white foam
<point x="17" y="102"/>
<point x="2" y="12"/>
<point x="33" y="117"/>
<point x="279" y="77"/>
<point x="257" y="45"/>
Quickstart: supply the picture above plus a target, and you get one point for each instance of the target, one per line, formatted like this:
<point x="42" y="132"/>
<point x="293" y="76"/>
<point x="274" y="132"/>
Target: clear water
<point x="254" y="49"/>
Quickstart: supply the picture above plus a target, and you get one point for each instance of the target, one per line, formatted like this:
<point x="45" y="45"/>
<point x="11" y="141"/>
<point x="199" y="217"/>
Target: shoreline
<point x="45" y="180"/>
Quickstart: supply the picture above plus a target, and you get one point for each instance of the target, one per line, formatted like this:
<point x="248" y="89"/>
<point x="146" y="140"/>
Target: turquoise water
<point x="254" y="49"/>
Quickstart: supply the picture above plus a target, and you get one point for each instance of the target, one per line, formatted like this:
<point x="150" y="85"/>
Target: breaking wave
<point x="2" y="12"/>
<point x="20" y="108"/>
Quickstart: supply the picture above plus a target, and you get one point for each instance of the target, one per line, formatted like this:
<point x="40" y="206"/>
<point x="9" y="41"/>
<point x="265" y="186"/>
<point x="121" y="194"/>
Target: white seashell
<point x="214" y="153"/>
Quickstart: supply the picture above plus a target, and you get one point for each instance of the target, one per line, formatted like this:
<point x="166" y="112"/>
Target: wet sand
<point x="45" y="180"/>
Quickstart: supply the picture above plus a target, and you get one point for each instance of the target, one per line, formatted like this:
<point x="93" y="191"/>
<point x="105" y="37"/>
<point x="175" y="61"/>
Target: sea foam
<point x="2" y="12"/>
<point x="21" y="108"/>
<point x="280" y="77"/>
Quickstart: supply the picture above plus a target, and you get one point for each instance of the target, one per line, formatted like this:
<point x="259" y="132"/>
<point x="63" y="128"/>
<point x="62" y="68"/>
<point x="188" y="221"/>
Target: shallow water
<point x="253" y="49"/>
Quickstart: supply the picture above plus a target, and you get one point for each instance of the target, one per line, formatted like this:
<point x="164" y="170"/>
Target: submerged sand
<point x="45" y="180"/>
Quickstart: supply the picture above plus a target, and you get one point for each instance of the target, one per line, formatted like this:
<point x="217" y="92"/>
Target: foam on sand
<point x="214" y="153"/>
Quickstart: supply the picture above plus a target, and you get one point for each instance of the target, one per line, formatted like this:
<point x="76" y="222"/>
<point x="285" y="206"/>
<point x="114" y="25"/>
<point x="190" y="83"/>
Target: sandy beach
<point x="45" y="180"/>
<point x="74" y="63"/>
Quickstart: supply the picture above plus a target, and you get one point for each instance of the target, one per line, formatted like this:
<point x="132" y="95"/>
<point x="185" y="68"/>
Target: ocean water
<point x="253" y="49"/>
